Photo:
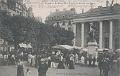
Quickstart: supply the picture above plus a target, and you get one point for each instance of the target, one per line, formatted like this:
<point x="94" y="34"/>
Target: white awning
<point x="25" y="45"/>
<point x="63" y="47"/>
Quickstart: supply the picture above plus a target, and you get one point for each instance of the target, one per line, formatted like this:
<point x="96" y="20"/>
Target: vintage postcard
<point x="59" y="37"/>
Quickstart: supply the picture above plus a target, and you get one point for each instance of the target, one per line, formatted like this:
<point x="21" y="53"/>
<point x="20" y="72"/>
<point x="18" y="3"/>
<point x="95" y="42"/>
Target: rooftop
<point x="100" y="11"/>
<point x="95" y="12"/>
<point x="65" y="14"/>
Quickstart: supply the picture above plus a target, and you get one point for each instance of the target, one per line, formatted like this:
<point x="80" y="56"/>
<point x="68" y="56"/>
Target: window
<point x="3" y="0"/>
<point x="106" y="27"/>
<point x="116" y="28"/>
<point x="116" y="43"/>
<point x="63" y="16"/>
<point x="69" y="23"/>
<point x="51" y="18"/>
<point x="21" y="13"/>
<point x="106" y="42"/>
<point x="63" y="23"/>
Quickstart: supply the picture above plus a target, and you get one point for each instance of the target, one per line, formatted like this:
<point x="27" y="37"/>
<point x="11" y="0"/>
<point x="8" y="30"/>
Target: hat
<point x="42" y="59"/>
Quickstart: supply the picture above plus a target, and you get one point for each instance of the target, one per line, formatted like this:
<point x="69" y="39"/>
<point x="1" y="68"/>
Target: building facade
<point x="15" y="7"/>
<point x="62" y="19"/>
<point x="39" y="19"/>
<point x="106" y="21"/>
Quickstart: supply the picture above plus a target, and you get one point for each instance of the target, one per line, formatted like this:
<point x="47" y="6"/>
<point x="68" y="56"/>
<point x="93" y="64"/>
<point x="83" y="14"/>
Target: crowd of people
<point x="60" y="60"/>
<point x="12" y="57"/>
<point x="105" y="61"/>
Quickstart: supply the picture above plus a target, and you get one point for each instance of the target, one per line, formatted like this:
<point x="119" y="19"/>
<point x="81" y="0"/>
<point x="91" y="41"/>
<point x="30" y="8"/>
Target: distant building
<point x="15" y="7"/>
<point x="62" y="19"/>
<point x="20" y="1"/>
<point x="39" y="19"/>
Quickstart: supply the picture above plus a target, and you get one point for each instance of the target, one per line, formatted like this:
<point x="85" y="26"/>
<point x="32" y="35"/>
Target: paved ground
<point x="79" y="71"/>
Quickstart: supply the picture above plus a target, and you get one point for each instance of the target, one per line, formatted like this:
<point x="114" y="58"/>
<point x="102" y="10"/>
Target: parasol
<point x="68" y="47"/>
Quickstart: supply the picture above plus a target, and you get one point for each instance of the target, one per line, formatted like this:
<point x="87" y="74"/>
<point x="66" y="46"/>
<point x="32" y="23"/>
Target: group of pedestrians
<point x="22" y="71"/>
<point x="68" y="61"/>
<point x="105" y="62"/>
<point x="9" y="57"/>
<point x="61" y="61"/>
<point x="87" y="59"/>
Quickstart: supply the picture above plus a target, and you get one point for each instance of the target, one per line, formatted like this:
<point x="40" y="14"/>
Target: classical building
<point x="15" y="7"/>
<point x="62" y="19"/>
<point x="106" y="22"/>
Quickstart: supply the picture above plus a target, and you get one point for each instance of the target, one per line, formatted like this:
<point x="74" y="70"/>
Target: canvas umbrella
<point x="63" y="47"/>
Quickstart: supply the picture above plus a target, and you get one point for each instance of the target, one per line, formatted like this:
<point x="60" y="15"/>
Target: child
<point x="28" y="72"/>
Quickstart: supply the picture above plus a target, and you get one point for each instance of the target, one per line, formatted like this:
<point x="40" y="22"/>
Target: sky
<point x="42" y="8"/>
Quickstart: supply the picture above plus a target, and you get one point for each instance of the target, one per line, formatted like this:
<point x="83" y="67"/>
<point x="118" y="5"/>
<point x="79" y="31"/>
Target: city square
<point x="37" y="38"/>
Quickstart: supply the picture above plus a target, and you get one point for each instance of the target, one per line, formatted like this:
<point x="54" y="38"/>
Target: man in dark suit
<point x="43" y="67"/>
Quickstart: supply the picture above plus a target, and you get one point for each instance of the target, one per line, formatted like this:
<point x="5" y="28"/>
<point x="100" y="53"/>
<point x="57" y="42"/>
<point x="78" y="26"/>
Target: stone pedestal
<point x="92" y="48"/>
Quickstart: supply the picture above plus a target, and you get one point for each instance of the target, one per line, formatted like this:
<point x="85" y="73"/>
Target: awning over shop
<point x="25" y="45"/>
<point x="76" y="47"/>
<point x="68" y="47"/>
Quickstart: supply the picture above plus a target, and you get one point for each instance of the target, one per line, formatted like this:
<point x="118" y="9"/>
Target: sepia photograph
<point x="59" y="37"/>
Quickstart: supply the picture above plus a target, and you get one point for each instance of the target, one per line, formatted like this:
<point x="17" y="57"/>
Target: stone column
<point x="82" y="35"/>
<point x="111" y="35"/>
<point x="100" y="34"/>
<point x="74" y="30"/>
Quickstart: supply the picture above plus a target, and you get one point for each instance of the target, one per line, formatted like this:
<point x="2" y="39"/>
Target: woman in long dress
<point x="20" y="69"/>
<point x="61" y="65"/>
<point x="71" y="65"/>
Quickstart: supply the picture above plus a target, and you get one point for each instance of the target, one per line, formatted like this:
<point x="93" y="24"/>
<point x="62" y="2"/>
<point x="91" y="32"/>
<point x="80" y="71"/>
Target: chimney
<point x="72" y="9"/>
<point x="64" y="9"/>
<point x="107" y="3"/>
<point x="82" y="10"/>
<point x="99" y="6"/>
<point x="57" y="10"/>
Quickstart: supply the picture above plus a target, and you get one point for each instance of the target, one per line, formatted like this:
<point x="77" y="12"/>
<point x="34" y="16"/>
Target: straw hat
<point x="42" y="60"/>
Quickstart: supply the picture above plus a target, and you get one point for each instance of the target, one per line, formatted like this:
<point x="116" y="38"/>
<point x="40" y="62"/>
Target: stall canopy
<point x="118" y="51"/>
<point x="68" y="47"/>
<point x="76" y="47"/>
<point x="25" y="45"/>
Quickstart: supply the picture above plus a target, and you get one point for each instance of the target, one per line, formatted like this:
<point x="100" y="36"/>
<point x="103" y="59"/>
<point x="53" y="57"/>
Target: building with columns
<point x="106" y="21"/>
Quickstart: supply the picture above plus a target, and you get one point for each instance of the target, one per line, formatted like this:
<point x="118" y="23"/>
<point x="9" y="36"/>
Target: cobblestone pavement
<point x="79" y="71"/>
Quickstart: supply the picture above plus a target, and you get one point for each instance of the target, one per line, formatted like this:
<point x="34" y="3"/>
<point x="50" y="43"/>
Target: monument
<point x="92" y="44"/>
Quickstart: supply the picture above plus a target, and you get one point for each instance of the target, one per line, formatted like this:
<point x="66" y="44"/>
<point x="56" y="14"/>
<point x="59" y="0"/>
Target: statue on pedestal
<point x="92" y="44"/>
<point x="92" y="33"/>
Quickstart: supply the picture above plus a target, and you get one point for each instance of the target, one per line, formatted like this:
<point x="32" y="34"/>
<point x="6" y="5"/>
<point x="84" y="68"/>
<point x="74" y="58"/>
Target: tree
<point x="5" y="32"/>
<point x="18" y="29"/>
<point x="63" y="36"/>
<point x="18" y="26"/>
